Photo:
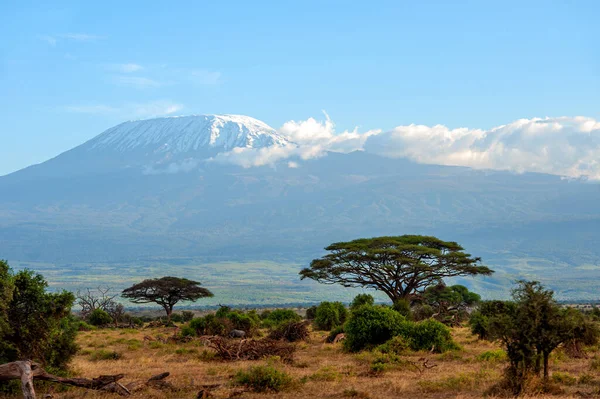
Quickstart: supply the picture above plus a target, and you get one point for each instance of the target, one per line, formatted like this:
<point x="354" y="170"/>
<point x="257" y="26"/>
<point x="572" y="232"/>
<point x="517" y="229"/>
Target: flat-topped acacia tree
<point x="402" y="266"/>
<point x="166" y="292"/>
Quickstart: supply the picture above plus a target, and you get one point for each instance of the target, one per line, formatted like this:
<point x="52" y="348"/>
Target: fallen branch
<point x="27" y="372"/>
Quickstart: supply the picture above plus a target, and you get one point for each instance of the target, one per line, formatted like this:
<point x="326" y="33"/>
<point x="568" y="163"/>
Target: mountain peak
<point x="184" y="134"/>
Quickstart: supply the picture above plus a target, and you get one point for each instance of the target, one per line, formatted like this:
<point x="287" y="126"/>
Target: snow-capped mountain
<point x="160" y="144"/>
<point x="183" y="134"/>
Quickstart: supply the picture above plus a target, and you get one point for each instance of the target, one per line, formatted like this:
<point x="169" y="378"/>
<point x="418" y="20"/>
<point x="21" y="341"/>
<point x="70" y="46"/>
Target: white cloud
<point x="138" y="82"/>
<point x="565" y="146"/>
<point x="308" y="139"/>
<point x="129" y="110"/>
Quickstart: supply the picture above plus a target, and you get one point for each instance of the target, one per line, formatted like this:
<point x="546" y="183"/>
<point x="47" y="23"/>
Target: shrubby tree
<point x="34" y="324"/>
<point x="362" y="299"/>
<point x="166" y="292"/>
<point x="402" y="267"/>
<point x="449" y="303"/>
<point x="531" y="328"/>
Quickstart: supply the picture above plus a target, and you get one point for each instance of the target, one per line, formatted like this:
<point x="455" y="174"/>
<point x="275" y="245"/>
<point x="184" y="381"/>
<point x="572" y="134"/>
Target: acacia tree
<point x="402" y="266"/>
<point x="166" y="292"/>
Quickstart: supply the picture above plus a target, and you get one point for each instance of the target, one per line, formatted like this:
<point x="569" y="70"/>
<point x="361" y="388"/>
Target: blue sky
<point x="69" y="70"/>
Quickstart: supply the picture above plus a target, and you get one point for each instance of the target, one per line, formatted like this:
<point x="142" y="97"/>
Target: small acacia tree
<point x="531" y="327"/>
<point x="166" y="292"/>
<point x="402" y="267"/>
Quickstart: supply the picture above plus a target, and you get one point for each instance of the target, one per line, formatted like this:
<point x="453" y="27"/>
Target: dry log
<point x="21" y="370"/>
<point x="28" y="371"/>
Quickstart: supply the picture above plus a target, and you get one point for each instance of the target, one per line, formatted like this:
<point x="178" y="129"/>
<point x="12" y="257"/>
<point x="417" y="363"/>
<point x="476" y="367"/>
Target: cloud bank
<point x="564" y="146"/>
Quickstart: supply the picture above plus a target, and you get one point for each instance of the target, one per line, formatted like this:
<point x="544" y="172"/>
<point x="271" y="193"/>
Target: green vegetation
<point x="264" y="379"/>
<point x="330" y="315"/>
<point x="35" y="324"/>
<point x="99" y="317"/>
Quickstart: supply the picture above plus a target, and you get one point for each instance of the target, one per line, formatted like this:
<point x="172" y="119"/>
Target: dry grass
<point x="319" y="370"/>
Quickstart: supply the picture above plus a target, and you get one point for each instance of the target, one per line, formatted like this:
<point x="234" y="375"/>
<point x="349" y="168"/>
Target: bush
<point x="35" y="324"/>
<point x="279" y="316"/>
<point x="83" y="326"/>
<point x="263" y="379"/>
<point x="370" y="326"/>
<point x="198" y="324"/>
<point x="330" y="315"/>
<point x="223" y="311"/>
<point x="187" y="316"/>
<point x="362" y="299"/>
<point x="402" y="306"/>
<point x="397" y="345"/>
<point x="429" y="335"/>
<point x="188" y="331"/>
<point x="211" y="325"/>
<point x="290" y="331"/>
<point x="311" y="313"/>
<point x="243" y="321"/>
<point x="99" y="317"/>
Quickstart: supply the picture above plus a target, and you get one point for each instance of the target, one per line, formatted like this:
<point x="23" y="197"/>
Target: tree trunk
<point x="21" y="370"/>
<point x="546" y="356"/>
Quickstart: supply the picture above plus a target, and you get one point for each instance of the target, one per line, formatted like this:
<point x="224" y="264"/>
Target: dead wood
<point x="250" y="349"/>
<point x="28" y="371"/>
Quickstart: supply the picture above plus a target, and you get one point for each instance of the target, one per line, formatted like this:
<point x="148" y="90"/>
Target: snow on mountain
<point x="183" y="134"/>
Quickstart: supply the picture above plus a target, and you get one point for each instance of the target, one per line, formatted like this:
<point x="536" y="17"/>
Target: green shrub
<point x="397" y="345"/>
<point x="429" y="335"/>
<point x="211" y="325"/>
<point x="198" y="324"/>
<point x="188" y="331"/>
<point x="311" y="313"/>
<point x="102" y="354"/>
<point x="370" y="326"/>
<point x="176" y="318"/>
<point x="263" y="379"/>
<point x="330" y="315"/>
<point x="402" y="306"/>
<point x="279" y="316"/>
<point x="99" y="317"/>
<point x="362" y="299"/>
<point x="187" y="316"/>
<point x="243" y="321"/>
<point x="223" y="311"/>
<point x="83" y="326"/>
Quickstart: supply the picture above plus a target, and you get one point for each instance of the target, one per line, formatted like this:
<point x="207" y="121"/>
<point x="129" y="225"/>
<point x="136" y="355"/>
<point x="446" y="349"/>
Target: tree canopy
<point x="402" y="266"/>
<point x="166" y="292"/>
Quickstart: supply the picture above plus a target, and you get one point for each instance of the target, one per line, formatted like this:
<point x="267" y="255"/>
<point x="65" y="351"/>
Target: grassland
<point x="319" y="370"/>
